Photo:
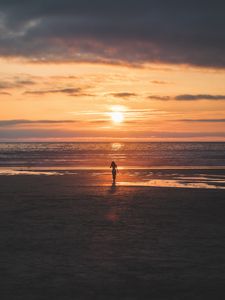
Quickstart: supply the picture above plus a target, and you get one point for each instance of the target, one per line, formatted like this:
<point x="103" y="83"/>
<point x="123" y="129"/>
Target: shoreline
<point x="175" y="178"/>
<point x="95" y="168"/>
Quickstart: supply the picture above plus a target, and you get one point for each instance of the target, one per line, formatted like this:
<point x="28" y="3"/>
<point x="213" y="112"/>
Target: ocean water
<point x="166" y="164"/>
<point x="126" y="155"/>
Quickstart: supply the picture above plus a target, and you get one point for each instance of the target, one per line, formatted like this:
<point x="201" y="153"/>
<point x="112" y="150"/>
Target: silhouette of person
<point x="114" y="170"/>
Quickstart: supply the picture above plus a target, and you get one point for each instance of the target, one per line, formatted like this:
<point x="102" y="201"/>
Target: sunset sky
<point x="112" y="70"/>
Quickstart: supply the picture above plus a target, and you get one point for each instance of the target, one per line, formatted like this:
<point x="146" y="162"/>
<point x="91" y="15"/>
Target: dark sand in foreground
<point x="64" y="241"/>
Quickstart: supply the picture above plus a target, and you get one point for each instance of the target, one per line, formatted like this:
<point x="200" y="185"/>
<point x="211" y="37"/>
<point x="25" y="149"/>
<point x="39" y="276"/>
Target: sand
<point x="62" y="240"/>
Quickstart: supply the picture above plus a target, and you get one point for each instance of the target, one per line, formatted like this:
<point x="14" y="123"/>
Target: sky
<point x="94" y="70"/>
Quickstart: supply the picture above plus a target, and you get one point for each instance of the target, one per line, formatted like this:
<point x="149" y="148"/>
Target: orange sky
<point x="75" y="101"/>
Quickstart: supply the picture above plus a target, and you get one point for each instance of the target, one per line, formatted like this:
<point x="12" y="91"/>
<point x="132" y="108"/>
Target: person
<point x="114" y="170"/>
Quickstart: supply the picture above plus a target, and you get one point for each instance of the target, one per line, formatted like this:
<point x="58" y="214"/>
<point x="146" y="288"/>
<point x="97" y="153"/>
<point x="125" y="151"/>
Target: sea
<point x="178" y="164"/>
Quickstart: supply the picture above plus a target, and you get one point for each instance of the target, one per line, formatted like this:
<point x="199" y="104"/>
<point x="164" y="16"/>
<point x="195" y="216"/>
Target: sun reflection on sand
<point x="171" y="183"/>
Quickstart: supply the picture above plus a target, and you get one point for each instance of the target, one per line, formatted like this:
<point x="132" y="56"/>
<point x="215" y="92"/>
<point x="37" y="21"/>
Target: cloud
<point x="18" y="122"/>
<point x="24" y="82"/>
<point x="188" y="97"/>
<point x="202" y="120"/>
<point x="4" y="123"/>
<point x="161" y="98"/>
<point x="10" y="134"/>
<point x="123" y="95"/>
<point x="18" y="134"/>
<point x="14" y="83"/>
<point x="5" y="93"/>
<point x="128" y="31"/>
<point x="189" y="135"/>
<point x="4" y="85"/>
<point x="159" y="82"/>
<point x="68" y="91"/>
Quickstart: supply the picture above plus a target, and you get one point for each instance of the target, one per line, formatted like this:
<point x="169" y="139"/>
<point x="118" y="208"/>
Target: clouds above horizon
<point x="128" y="31"/>
<point x="16" y="122"/>
<point x="15" y="83"/>
<point x="67" y="91"/>
<point x="123" y="95"/>
<point x="201" y="120"/>
<point x="48" y="134"/>
<point x="188" y="97"/>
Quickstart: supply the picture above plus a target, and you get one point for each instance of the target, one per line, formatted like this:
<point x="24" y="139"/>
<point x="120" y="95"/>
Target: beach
<point x="67" y="237"/>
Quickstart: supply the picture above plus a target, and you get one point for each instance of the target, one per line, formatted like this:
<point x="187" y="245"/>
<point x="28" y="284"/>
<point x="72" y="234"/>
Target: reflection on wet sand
<point x="172" y="183"/>
<point x="113" y="188"/>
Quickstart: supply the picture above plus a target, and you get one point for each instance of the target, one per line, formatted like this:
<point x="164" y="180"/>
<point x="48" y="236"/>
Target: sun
<point x="117" y="117"/>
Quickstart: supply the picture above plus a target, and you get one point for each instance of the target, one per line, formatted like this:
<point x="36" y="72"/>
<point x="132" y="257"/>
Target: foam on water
<point x="11" y="172"/>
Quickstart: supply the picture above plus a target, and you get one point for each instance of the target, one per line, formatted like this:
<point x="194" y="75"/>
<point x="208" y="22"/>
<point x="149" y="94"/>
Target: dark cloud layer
<point x="133" y="31"/>
<point x="12" y="134"/>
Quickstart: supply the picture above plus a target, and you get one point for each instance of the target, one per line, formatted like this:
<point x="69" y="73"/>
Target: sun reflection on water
<point x="116" y="146"/>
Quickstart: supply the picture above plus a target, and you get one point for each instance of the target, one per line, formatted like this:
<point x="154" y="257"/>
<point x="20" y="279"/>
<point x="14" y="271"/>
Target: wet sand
<point x="62" y="240"/>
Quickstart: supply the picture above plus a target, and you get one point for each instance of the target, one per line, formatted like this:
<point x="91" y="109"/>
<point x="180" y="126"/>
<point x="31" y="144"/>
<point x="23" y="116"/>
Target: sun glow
<point x="117" y="117"/>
